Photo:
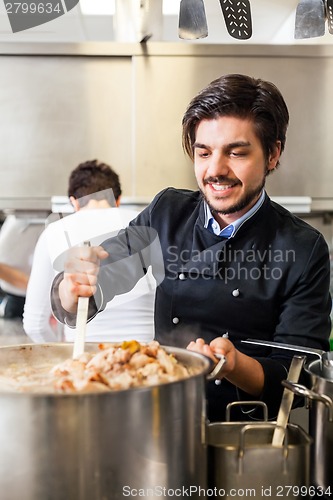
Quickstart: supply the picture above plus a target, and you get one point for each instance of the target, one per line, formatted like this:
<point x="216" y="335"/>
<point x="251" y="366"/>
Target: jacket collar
<point x="230" y="230"/>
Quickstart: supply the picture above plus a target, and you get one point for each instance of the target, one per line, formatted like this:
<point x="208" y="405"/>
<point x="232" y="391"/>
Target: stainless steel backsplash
<point x="123" y="103"/>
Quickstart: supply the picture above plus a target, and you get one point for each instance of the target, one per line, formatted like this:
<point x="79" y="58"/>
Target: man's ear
<point x="274" y="156"/>
<point x="75" y="203"/>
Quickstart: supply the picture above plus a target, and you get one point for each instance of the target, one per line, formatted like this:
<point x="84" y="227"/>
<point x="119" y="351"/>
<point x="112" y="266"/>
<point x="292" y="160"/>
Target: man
<point x="236" y="263"/>
<point x="94" y="190"/>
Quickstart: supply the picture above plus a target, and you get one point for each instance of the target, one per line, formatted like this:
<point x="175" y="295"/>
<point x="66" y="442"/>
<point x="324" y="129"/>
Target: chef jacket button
<point x="175" y="320"/>
<point x="235" y="293"/>
<point x="182" y="276"/>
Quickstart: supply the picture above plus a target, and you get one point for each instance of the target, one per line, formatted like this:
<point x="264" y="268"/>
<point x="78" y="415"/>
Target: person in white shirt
<point x="94" y="191"/>
<point x="18" y="237"/>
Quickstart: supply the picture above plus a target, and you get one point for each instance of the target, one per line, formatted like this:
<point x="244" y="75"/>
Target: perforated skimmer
<point x="237" y="17"/>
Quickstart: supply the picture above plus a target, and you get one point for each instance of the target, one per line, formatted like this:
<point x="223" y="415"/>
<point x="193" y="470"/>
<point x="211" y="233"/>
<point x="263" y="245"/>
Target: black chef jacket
<point x="270" y="281"/>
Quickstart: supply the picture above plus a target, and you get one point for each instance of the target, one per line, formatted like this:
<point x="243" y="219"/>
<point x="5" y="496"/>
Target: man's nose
<point x="218" y="166"/>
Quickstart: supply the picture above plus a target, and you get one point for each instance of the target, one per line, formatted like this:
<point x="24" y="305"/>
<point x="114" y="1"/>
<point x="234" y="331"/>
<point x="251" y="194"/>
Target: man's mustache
<point x="221" y="179"/>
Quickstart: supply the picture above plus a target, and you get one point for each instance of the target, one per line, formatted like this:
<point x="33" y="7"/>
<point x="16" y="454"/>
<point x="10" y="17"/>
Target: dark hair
<point x="243" y="97"/>
<point x="91" y="177"/>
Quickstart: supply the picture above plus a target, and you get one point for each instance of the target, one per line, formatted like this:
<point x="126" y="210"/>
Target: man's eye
<point x="237" y="153"/>
<point x="202" y="154"/>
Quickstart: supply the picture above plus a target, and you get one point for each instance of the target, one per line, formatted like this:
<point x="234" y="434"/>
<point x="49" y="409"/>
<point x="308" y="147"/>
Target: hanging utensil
<point x="237" y="17"/>
<point x="329" y="15"/>
<point x="287" y="401"/>
<point x="192" y="20"/>
<point x="81" y="323"/>
<point x="310" y="19"/>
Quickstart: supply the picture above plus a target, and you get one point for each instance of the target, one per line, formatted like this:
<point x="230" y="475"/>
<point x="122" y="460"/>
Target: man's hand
<point x="80" y="276"/>
<point x="241" y="370"/>
<point x="220" y="345"/>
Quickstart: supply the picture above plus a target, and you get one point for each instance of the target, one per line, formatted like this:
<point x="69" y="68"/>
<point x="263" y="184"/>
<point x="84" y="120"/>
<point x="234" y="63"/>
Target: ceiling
<point x="273" y="23"/>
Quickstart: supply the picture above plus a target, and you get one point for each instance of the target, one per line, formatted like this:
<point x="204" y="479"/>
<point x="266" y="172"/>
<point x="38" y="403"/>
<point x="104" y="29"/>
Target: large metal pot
<point x="101" y="446"/>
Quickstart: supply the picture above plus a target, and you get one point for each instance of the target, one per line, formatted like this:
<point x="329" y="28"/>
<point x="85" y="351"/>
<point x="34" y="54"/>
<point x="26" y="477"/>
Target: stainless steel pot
<point x="241" y="457"/>
<point x="101" y="446"/>
<point x="320" y="424"/>
<point x="320" y="395"/>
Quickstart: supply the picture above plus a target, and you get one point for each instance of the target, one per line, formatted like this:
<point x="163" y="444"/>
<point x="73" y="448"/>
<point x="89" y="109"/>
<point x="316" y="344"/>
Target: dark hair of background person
<point x="91" y="177"/>
<point x="243" y="97"/>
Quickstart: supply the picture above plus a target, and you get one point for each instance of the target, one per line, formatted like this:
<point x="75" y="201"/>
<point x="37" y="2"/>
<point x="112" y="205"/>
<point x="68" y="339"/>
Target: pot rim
<point x="206" y="368"/>
<point x="311" y="368"/>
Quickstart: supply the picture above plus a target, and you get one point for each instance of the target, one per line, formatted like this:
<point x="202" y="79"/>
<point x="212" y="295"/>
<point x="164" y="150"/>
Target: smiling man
<point x="236" y="264"/>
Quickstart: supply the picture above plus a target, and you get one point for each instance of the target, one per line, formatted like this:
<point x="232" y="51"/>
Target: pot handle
<point x="256" y="427"/>
<point x="213" y="375"/>
<point x="288" y="347"/>
<point x="246" y="403"/>
<point x="301" y="390"/>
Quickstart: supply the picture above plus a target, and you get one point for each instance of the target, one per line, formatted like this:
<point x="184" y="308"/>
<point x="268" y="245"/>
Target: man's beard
<point x="242" y="203"/>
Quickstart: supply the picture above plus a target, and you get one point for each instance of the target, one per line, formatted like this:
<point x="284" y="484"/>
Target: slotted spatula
<point x="237" y="17"/>
<point x="310" y="19"/>
<point x="192" y="20"/>
<point x="329" y="14"/>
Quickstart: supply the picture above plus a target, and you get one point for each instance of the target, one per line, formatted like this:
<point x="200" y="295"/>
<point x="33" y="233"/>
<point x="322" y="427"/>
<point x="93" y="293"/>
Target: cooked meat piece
<point x="101" y="361"/>
<point x="69" y="366"/>
<point x="122" y="355"/>
<point x="138" y="360"/>
<point x="121" y="381"/>
<point x="150" y="369"/>
<point x="166" y="361"/>
<point x="151" y="349"/>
